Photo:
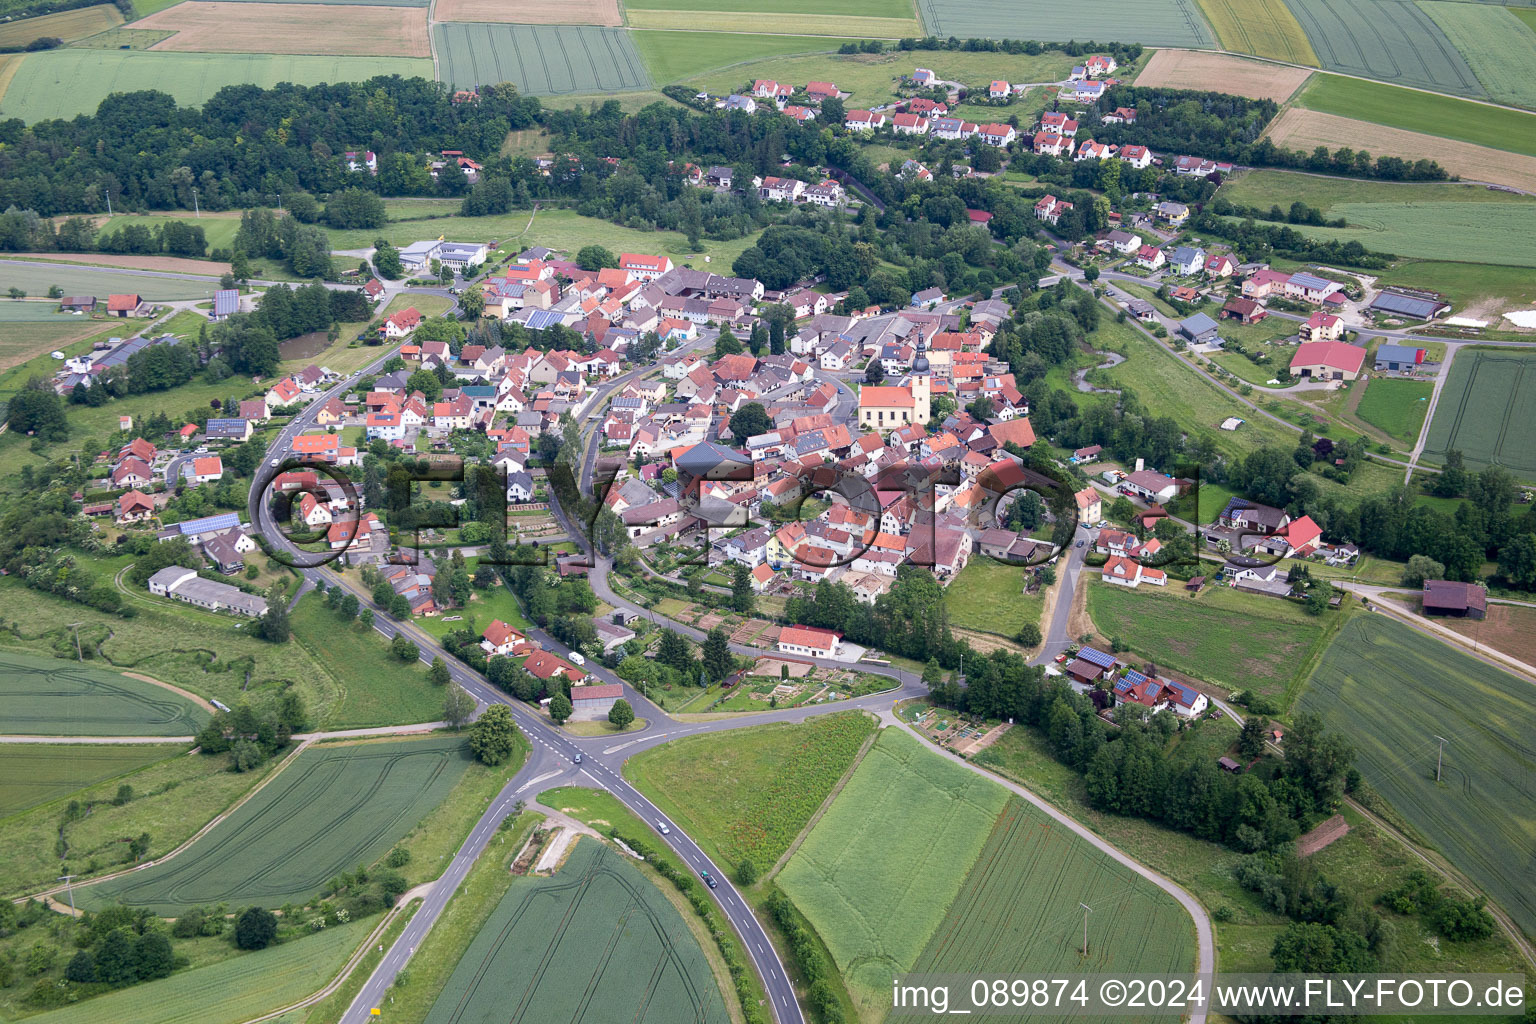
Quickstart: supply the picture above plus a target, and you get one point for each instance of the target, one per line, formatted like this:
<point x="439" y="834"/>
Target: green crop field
<point x="1393" y="690"/>
<point x="1265" y="188"/>
<point x="81" y="280"/>
<point x="871" y="79"/>
<point x="335" y="807"/>
<point x="671" y="56"/>
<point x="989" y="596"/>
<point x="1388" y="40"/>
<point x="228" y="992"/>
<point x="1020" y="910"/>
<point x="541" y="60"/>
<point x="839" y="8"/>
<point x="63" y="83"/>
<point x="1154" y="22"/>
<point x="879" y="870"/>
<point x="1396" y="406"/>
<point x="1484" y="410"/>
<point x="50" y="697"/>
<point x="1446" y="116"/>
<point x="1235" y="640"/>
<point x="1500" y="47"/>
<point x="1265" y="28"/>
<point x="377" y="688"/>
<point x="830" y="26"/>
<point x="66" y="25"/>
<point x="1471" y="232"/>
<point x="34" y="773"/>
<point x="747" y="795"/>
<point x="595" y="941"/>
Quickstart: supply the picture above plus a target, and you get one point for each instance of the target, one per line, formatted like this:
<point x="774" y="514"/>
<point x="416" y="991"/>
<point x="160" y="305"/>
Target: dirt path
<point x="194" y="698"/>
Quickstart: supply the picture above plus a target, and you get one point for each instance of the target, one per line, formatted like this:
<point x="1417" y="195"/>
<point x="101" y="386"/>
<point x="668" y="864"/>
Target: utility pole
<point x="195" y="211"/>
<point x="76" y="627"/>
<point x="67" y="879"/>
<point x="1439" y="758"/>
<point x="109" y="202"/>
<point x="1086" y="911"/>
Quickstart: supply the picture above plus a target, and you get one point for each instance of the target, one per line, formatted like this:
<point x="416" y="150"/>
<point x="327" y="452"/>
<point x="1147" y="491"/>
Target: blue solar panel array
<point x="209" y="524"/>
<point x="1098" y="658"/>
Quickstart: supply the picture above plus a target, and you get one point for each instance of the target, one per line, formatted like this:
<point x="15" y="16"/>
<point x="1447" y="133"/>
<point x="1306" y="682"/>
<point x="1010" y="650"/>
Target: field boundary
<point x="232" y="808"/>
<point x="194" y="698"/>
<point x="869" y="741"/>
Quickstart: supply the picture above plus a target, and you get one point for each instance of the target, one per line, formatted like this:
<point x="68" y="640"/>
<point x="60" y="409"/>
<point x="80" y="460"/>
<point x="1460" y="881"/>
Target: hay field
<point x="803" y="24"/>
<point x="66" y="25"/>
<point x="24" y="341"/>
<point x="596" y="941"/>
<point x="1413" y="110"/>
<point x="1198" y="69"/>
<point x="50" y="697"/>
<point x="1388" y="40"/>
<point x="241" y="27"/>
<point x="1307" y="129"/>
<point x="337" y="806"/>
<point x="1482" y="815"/>
<point x="1152" y="22"/>
<point x="1500" y="47"/>
<point x="1266" y="28"/>
<point x="540" y="60"/>
<point x="532" y="12"/>
<point x="166" y="264"/>
<point x="63" y="83"/>
<point x="1019" y="910"/>
<point x="1485" y="410"/>
<point x="871" y="876"/>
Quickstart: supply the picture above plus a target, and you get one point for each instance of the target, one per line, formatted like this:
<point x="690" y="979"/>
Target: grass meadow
<point x="1388" y="40"/>
<point x="377" y="688"/>
<point x="1234" y="640"/>
<point x="748" y="795"/>
<point x="66" y="82"/>
<point x="673" y="55"/>
<point x="100" y="281"/>
<point x="1484" y="410"/>
<point x="51" y="697"/>
<point x="35" y="773"/>
<point x="1500" y="47"/>
<point x="1468" y="285"/>
<point x="596" y="940"/>
<point x="1265" y="188"/>
<point x="336" y="806"/>
<point x="879" y="871"/>
<point x="1410" y="110"/>
<point x="24" y="342"/>
<point x="1019" y="910"/>
<point x="1264" y="28"/>
<point x="228" y="992"/>
<point x="872" y="78"/>
<point x="540" y="60"/>
<point x="1395" y="406"/>
<point x="989" y="596"/>
<point x="1482" y="815"/>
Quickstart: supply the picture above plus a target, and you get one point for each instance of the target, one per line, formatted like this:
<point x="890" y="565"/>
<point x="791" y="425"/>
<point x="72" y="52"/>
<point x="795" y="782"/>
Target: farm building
<point x="1414" y="307"/>
<point x="594" y="702"/>
<point x="225" y="302"/>
<point x="83" y="303"/>
<point x="1244" y="311"/>
<point x="819" y="643"/>
<point x="1327" y="360"/>
<point x="1458" y="600"/>
<point x="186" y="585"/>
<point x="1399" y="357"/>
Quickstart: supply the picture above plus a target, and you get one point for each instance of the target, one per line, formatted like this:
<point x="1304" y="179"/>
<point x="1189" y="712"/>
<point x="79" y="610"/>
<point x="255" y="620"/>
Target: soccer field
<point x="1485" y="411"/>
<point x="596" y="941"/>
<point x="50" y="697"/>
<point x="337" y="806"/>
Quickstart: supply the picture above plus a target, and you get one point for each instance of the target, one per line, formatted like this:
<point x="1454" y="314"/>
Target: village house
<point x="1327" y="360"/>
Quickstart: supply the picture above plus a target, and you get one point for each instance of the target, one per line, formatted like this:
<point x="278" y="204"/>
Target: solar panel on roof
<point x="208" y="524"/>
<point x="1098" y="658"/>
